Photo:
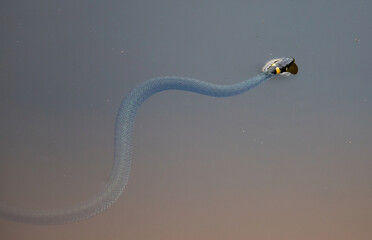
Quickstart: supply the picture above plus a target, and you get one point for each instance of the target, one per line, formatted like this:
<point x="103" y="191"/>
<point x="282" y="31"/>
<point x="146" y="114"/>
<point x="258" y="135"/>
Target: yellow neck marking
<point x="277" y="70"/>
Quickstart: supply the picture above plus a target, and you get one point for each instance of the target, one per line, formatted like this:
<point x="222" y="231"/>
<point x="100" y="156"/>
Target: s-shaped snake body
<point x="123" y="141"/>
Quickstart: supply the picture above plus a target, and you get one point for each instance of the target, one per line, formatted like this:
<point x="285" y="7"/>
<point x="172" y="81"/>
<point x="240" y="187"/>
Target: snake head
<point x="284" y="66"/>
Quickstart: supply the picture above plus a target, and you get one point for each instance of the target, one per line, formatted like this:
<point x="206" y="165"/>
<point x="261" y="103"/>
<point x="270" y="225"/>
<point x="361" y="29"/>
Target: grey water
<point x="290" y="159"/>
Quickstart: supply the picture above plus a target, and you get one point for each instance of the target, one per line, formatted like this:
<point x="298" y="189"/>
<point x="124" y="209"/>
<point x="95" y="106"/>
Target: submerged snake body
<point x="123" y="147"/>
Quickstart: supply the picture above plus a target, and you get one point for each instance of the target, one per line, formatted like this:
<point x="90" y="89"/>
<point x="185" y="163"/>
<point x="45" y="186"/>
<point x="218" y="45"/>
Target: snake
<point x="124" y="124"/>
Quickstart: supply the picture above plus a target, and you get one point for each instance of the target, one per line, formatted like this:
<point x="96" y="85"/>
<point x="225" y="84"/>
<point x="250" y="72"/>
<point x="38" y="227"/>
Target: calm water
<point x="290" y="159"/>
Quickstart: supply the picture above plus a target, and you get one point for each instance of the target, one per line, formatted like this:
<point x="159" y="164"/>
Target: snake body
<point x="123" y="147"/>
